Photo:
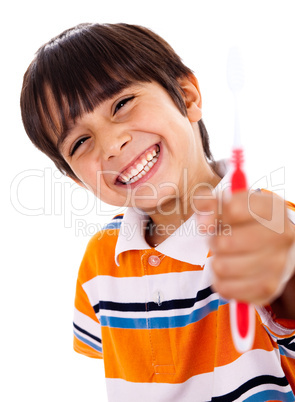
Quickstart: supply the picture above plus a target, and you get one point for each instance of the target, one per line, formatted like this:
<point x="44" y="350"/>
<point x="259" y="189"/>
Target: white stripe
<point x="249" y="365"/>
<point x="175" y="285"/>
<point x="202" y="387"/>
<point x="85" y="322"/>
<point x="196" y="389"/>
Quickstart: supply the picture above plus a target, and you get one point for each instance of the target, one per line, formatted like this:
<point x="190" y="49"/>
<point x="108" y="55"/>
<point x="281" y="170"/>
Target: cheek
<point x="88" y="172"/>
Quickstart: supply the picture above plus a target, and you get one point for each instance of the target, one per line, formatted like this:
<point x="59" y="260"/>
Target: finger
<point x="245" y="291"/>
<point x="266" y="208"/>
<point x="249" y="277"/>
<point x="240" y="208"/>
<point x="205" y="204"/>
<point x="246" y="238"/>
<point x="237" y="266"/>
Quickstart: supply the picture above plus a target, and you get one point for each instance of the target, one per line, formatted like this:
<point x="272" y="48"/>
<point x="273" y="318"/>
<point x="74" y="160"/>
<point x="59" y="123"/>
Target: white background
<point x="41" y="254"/>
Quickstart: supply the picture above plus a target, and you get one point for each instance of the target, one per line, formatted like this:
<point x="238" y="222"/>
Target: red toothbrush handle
<point x="238" y="180"/>
<point x="241" y="314"/>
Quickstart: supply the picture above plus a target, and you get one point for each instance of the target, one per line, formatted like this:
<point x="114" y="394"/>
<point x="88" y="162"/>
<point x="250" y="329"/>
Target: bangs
<point x="70" y="79"/>
<point x="59" y="106"/>
<point x="90" y="64"/>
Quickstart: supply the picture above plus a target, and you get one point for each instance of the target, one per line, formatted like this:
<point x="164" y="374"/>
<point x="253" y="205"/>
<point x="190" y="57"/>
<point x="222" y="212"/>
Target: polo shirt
<point x="163" y="333"/>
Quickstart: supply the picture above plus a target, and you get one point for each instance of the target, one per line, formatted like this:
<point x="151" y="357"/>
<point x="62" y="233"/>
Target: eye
<point x="121" y="103"/>
<point x="77" y="145"/>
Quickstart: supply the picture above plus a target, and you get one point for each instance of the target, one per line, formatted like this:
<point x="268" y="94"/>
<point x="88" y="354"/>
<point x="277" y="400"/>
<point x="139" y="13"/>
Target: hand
<point x="250" y="241"/>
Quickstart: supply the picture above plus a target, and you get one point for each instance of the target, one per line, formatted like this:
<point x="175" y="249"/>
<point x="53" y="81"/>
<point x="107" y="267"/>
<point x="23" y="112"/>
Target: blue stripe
<point x="282" y="351"/>
<point x="113" y="225"/>
<point x="87" y="342"/>
<point x="286" y="352"/>
<point x="160" y="322"/>
<point x="271" y="395"/>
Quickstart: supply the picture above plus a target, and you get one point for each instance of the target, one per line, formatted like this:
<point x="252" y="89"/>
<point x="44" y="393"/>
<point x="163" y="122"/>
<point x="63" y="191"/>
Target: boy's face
<point x="137" y="149"/>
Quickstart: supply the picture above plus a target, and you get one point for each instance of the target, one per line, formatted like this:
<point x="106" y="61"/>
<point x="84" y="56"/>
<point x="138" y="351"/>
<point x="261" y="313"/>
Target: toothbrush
<point x="242" y="315"/>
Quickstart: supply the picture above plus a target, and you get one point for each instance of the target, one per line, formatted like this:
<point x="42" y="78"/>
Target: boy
<point x="115" y="108"/>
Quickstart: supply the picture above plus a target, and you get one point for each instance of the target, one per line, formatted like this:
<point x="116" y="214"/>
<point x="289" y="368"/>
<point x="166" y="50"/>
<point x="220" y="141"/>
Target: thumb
<point x="206" y="206"/>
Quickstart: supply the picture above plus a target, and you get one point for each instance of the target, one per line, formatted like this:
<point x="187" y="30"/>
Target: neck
<point x="176" y="211"/>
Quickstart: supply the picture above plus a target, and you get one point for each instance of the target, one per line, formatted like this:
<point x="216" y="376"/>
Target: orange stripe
<point x="166" y="355"/>
<point x="210" y="254"/>
<point x="132" y="266"/>
<point x="99" y="260"/>
<point x="176" y="354"/>
<point x="290" y="205"/>
<point x="288" y="365"/>
<point x="226" y="352"/>
<point x="100" y="252"/>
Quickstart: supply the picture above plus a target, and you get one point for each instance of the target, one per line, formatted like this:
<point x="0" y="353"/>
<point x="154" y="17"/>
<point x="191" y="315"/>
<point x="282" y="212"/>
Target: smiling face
<point x="138" y="149"/>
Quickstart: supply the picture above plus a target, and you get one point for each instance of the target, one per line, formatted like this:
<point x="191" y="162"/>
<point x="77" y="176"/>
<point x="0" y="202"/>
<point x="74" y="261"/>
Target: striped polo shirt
<point x="162" y="331"/>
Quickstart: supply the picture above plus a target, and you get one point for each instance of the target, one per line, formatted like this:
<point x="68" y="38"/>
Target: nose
<point x="112" y="143"/>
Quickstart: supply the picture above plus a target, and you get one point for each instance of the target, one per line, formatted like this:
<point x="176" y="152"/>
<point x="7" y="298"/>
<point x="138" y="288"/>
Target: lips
<point x="141" y="166"/>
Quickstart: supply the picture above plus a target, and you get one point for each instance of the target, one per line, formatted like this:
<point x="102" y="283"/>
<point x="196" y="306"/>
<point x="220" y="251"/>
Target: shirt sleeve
<point x="87" y="328"/>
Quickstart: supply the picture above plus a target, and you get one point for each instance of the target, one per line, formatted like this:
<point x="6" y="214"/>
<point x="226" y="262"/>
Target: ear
<point x="192" y="97"/>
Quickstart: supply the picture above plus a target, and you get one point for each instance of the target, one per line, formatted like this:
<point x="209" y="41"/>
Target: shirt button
<point x="154" y="260"/>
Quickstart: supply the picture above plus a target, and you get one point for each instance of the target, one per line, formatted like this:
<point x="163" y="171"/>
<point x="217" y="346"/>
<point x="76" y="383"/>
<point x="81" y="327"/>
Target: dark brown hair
<point x="88" y="64"/>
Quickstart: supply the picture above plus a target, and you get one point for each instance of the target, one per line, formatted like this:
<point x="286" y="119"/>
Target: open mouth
<point x="141" y="166"/>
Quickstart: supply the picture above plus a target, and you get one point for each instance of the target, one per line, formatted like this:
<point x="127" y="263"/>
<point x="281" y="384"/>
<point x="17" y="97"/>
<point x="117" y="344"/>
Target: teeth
<point x="134" y="172"/>
<point x="124" y="178"/>
<point x="141" y="168"/>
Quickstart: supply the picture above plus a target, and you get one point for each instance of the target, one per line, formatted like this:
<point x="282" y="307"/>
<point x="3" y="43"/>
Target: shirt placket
<point x="159" y="333"/>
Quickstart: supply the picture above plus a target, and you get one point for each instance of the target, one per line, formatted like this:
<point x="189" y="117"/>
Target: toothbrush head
<point x="235" y="71"/>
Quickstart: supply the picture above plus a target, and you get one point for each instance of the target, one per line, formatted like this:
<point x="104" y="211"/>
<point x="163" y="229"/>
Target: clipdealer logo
<point x="36" y="192"/>
<point x="52" y="194"/>
<point x="274" y="183"/>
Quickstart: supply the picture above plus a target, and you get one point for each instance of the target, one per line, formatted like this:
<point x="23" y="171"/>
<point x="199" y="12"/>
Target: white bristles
<point x="235" y="79"/>
<point x="235" y="70"/>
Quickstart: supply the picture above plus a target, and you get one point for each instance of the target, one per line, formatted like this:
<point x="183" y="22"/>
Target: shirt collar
<point x="185" y="244"/>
